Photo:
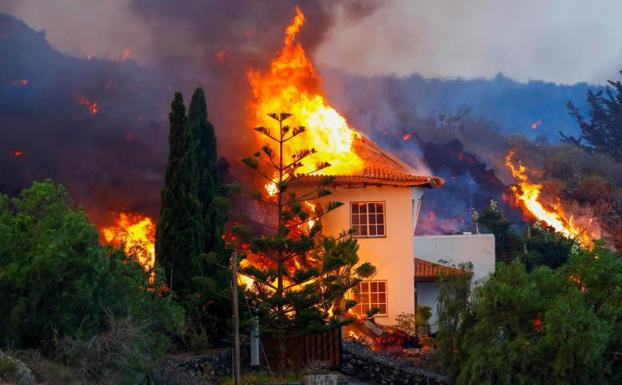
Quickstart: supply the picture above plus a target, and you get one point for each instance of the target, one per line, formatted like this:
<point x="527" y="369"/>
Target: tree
<point x="208" y="181"/>
<point x="507" y="243"/>
<point x="603" y="133"/>
<point x="546" y="326"/>
<point x="180" y="231"/>
<point x="213" y="307"/>
<point x="299" y="278"/>
<point x="56" y="280"/>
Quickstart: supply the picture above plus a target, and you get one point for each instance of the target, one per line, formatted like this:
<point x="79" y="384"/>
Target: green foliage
<point x="507" y="243"/>
<point x="56" y="280"/>
<point x="603" y="133"/>
<point x="546" y="248"/>
<point x="546" y="326"/>
<point x="211" y="308"/>
<point x="180" y="231"/>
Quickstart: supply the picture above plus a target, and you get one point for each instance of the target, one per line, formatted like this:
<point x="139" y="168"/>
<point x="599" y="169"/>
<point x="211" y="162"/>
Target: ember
<point x="92" y="106"/>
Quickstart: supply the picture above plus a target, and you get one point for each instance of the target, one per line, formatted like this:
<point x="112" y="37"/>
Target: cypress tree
<point x="212" y="307"/>
<point x="179" y="237"/>
<point x="208" y="182"/>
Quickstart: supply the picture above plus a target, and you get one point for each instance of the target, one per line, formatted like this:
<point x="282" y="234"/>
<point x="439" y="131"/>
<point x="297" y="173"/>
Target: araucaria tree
<point x="299" y="277"/>
<point x="180" y="232"/>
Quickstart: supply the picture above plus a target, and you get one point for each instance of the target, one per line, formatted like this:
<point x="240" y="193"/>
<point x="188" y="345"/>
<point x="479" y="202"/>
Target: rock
<point x="14" y="370"/>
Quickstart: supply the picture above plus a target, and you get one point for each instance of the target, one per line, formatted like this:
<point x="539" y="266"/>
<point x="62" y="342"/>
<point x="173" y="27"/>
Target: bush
<point x="546" y="326"/>
<point x="56" y="281"/>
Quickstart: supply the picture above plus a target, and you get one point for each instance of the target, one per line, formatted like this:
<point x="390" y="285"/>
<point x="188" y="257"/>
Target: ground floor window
<point x="369" y="295"/>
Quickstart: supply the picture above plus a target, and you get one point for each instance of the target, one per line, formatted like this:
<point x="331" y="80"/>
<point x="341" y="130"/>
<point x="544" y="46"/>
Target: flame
<point x="292" y="85"/>
<point x="529" y="195"/>
<point x="92" y="106"/>
<point x="134" y="233"/>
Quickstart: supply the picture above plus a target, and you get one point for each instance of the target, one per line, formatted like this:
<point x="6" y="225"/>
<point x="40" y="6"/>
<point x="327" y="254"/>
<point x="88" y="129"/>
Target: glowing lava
<point x="528" y="194"/>
<point x="292" y="85"/>
<point x="92" y="106"/>
<point x="135" y="234"/>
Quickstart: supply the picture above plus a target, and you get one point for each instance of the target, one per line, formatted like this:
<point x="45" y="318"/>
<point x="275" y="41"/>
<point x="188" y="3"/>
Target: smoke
<point x="90" y="108"/>
<point x="525" y="40"/>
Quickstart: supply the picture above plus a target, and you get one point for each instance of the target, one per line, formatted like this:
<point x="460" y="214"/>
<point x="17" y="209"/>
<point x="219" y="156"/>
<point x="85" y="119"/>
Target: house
<point x="381" y="203"/>
<point x="446" y="254"/>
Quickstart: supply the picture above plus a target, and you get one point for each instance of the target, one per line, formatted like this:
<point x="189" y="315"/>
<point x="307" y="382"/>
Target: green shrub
<point x="545" y="326"/>
<point x="56" y="281"/>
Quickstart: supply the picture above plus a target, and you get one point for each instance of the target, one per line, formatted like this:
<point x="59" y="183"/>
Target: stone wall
<point x="357" y="361"/>
<point x="198" y="369"/>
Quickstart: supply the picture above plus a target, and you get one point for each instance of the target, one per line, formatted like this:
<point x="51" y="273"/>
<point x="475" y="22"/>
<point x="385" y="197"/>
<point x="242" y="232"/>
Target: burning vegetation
<point x="135" y="234"/>
<point x="529" y="195"/>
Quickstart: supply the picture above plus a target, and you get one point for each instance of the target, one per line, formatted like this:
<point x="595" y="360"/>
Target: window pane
<point x="382" y="286"/>
<point x="374" y="297"/>
<point x="379" y="207"/>
<point x="374" y="286"/>
<point x="380" y="218"/>
<point x="380" y="230"/>
<point x="372" y="208"/>
<point x="372" y="219"/>
<point x="382" y="298"/>
<point x="355" y="219"/>
<point x="363" y="209"/>
<point x="363" y="219"/>
<point x="383" y="308"/>
<point x="363" y="287"/>
<point x="372" y="230"/>
<point x="355" y="208"/>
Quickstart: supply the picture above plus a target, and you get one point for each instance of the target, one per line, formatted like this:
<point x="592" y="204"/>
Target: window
<point x="367" y="219"/>
<point x="369" y="295"/>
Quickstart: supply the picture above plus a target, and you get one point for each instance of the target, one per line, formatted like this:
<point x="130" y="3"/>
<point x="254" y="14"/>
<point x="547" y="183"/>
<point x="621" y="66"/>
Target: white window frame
<point x="372" y="304"/>
<point x="368" y="219"/>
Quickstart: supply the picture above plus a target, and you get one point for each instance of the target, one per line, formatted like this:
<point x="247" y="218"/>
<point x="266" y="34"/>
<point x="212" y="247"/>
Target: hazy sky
<point x="563" y="41"/>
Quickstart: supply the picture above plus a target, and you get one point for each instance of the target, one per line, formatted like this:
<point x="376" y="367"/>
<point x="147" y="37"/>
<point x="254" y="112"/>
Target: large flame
<point x="528" y="194"/>
<point x="292" y="85"/>
<point x="135" y="234"/>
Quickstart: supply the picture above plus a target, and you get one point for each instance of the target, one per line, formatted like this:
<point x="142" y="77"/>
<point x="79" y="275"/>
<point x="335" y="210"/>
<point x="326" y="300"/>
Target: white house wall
<point x="391" y="254"/>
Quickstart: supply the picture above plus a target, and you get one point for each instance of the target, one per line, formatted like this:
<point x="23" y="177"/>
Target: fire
<point x="134" y="233"/>
<point x="293" y="85"/>
<point x="529" y="195"/>
<point x="92" y="106"/>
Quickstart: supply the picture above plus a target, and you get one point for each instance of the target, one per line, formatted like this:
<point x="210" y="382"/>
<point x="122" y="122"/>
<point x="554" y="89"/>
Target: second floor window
<point x="367" y="219"/>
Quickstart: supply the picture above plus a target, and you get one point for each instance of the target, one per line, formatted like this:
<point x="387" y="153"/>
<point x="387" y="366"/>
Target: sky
<point x="563" y="41"/>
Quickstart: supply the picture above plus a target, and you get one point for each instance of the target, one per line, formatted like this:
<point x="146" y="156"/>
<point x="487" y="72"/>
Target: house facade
<point x="381" y="204"/>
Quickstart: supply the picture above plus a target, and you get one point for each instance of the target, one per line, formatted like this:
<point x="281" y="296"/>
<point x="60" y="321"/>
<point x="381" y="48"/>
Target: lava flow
<point x="528" y="194"/>
<point x="292" y="85"/>
<point x="135" y="234"/>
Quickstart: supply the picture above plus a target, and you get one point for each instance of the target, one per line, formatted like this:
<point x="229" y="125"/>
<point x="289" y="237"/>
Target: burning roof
<point x="380" y="168"/>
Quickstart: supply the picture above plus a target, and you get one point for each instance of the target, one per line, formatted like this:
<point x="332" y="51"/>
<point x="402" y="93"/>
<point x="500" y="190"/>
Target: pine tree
<point x="603" y="133"/>
<point x="179" y="237"/>
<point x="302" y="278"/>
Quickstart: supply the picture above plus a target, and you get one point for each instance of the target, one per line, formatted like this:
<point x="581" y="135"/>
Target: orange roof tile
<point x="381" y="168"/>
<point x="427" y="271"/>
